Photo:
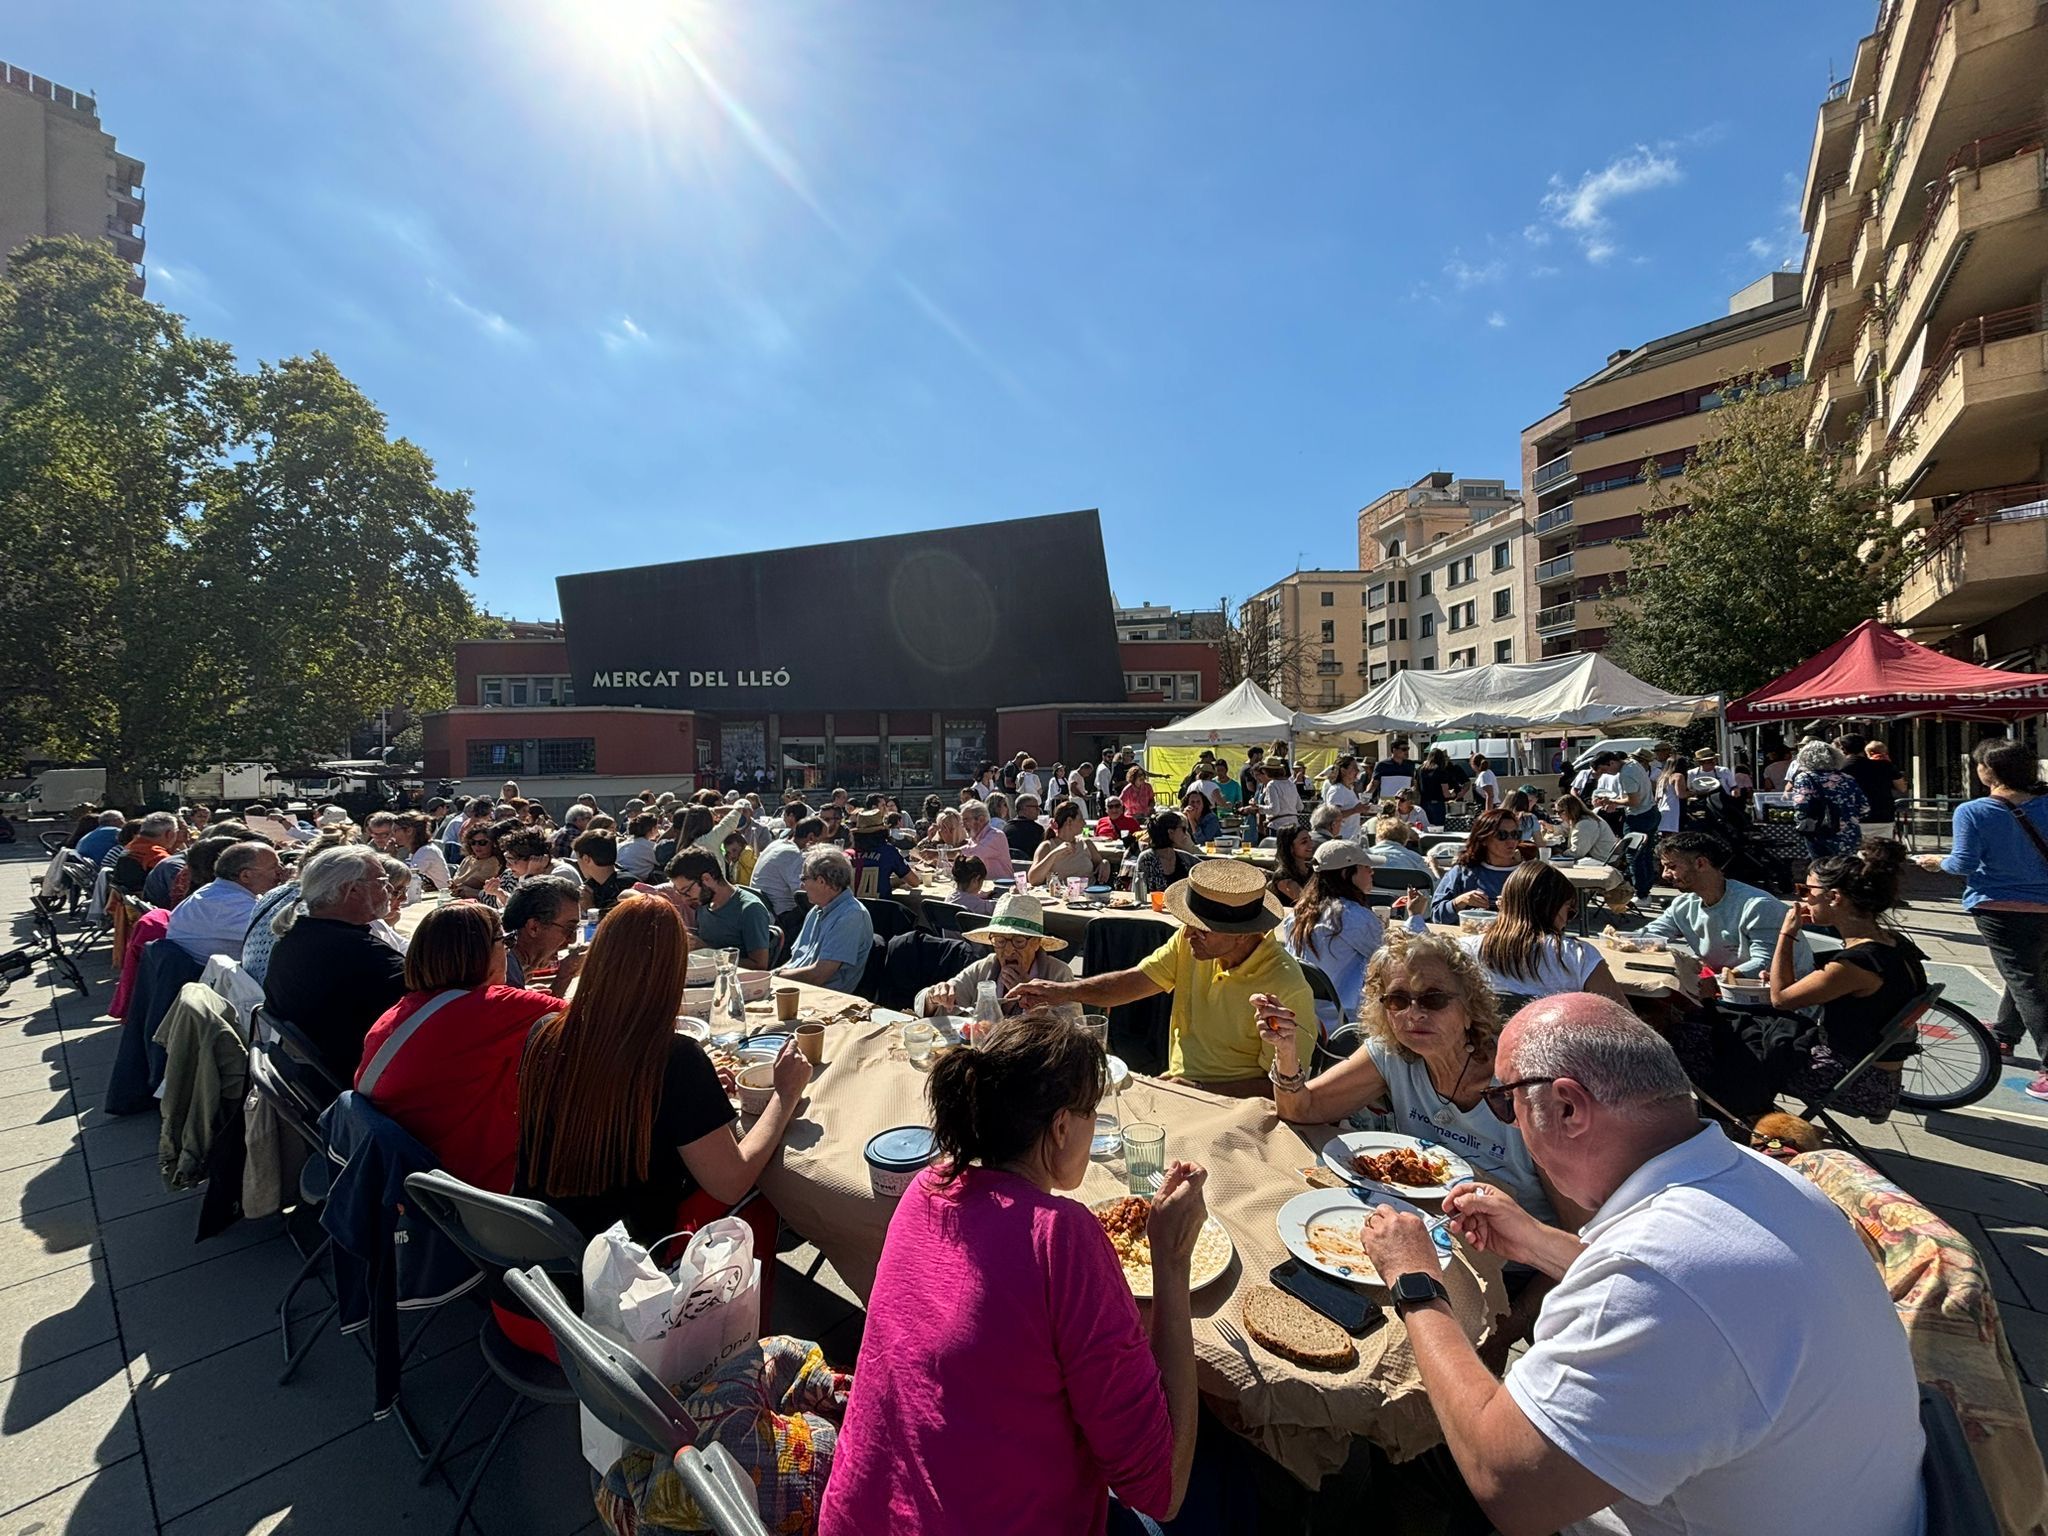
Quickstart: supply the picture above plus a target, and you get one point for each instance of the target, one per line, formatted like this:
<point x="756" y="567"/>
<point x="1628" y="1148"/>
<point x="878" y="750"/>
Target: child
<point x="968" y="874"/>
<point x="739" y="859"/>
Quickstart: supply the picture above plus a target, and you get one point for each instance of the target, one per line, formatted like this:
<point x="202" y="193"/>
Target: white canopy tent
<point x="1580" y="692"/>
<point x="1247" y="716"/>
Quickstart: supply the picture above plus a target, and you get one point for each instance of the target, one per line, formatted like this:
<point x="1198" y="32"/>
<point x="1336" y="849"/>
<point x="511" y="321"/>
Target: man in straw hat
<point x="1223" y="955"/>
<point x="1020" y="951"/>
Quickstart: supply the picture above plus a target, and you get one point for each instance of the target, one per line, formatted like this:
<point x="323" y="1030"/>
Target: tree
<point x="1253" y="646"/>
<point x="1763" y="554"/>
<point x="202" y="565"/>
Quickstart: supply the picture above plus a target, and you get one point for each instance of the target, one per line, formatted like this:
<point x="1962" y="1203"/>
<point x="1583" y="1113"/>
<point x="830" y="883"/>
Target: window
<point x="519" y="692"/>
<point x="1329" y="656"/>
<point x="1376" y="595"/>
<point x="857" y="762"/>
<point x="1329" y="691"/>
<point x="1503" y="602"/>
<point x="492" y="758"/>
<point x="1329" y="631"/>
<point x="543" y="690"/>
<point x="493" y="692"/>
<point x="1464" y="615"/>
<point x="1428" y="625"/>
<point x="569" y="754"/>
<point x="1400" y="591"/>
<point x="1400" y="629"/>
<point x="803" y="762"/>
<point x="1329" y="599"/>
<point x="1377" y="635"/>
<point x="1400" y="666"/>
<point x="1465" y="569"/>
<point x="1503" y="556"/>
<point x="1393" y="549"/>
<point x="1364" y="627"/>
<point x="1378" y="674"/>
<point x="1503" y="650"/>
<point x="1428" y="663"/>
<point x="910" y="760"/>
<point x="1422" y="583"/>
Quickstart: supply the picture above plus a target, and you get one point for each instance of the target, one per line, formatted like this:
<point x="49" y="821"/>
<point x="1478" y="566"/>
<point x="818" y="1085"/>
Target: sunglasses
<point x="1436" y="1000"/>
<point x="1501" y="1099"/>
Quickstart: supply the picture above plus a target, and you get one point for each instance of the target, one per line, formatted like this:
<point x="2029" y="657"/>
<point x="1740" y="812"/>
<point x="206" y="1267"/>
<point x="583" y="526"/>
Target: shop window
<point x="857" y="762"/>
<point x="803" y="762"/>
<point x="966" y="748"/>
<point x="569" y="754"/>
<point x="910" y="761"/>
<point x="495" y="757"/>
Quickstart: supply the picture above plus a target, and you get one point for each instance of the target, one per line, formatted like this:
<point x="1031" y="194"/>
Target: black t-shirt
<point x="1433" y="786"/>
<point x="691" y="1105"/>
<point x="605" y="894"/>
<point x="334" y="980"/>
<point x="1852" y="1024"/>
<point x="1024" y="836"/>
<point x="1875" y="780"/>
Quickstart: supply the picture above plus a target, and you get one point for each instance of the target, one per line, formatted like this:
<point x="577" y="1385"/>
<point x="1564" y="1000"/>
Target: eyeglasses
<point x="1436" y="1000"/>
<point x="1507" y="835"/>
<point x="1501" y="1099"/>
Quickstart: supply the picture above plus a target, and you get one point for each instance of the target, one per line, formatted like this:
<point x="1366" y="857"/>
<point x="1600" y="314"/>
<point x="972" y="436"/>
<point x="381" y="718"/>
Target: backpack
<point x="1820" y="819"/>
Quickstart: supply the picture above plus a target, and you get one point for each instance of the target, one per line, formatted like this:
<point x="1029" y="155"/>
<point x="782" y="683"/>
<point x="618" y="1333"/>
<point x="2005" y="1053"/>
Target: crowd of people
<point x="523" y="1031"/>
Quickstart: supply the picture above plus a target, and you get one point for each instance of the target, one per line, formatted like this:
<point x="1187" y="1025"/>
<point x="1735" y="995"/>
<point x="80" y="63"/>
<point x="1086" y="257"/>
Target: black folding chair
<point x="498" y="1232"/>
<point x="1388" y="884"/>
<point x="299" y="1062"/>
<point x="301" y="1119"/>
<point x="889" y="916"/>
<point x="1904" y="1029"/>
<point x="1957" y="1504"/>
<point x="627" y="1399"/>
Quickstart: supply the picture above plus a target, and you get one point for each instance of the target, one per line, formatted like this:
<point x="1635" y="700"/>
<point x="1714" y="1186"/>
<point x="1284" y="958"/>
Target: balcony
<point x="1552" y="519"/>
<point x="1981" y="70"/>
<point x="127" y="241"/>
<point x="1867" y="255"/>
<point x="1329" y="668"/>
<point x="1869" y="446"/>
<point x="1978" y="250"/>
<point x="1834" y="393"/>
<point x="1833" y="309"/>
<point x="1868" y="351"/>
<point x="1866" y="151"/>
<point x="1550" y="476"/>
<point x="1983" y="556"/>
<point x="1557" y="618"/>
<point x="1833" y="136"/>
<point x="1976" y="413"/>
<point x="1832" y="226"/>
<point x="1557" y="568"/>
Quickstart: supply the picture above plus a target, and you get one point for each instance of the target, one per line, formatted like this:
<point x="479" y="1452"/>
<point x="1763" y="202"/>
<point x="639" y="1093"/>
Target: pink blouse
<point x="1005" y="1382"/>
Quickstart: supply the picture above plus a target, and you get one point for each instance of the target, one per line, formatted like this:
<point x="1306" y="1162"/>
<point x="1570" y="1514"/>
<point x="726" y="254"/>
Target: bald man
<point x="1719" y="1355"/>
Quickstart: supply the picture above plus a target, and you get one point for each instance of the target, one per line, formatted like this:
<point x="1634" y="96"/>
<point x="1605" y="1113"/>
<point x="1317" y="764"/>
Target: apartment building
<point x="1156" y="621"/>
<point x="60" y="173"/>
<point x="1450" y="577"/>
<point x="1584" y="463"/>
<point x="1313" y="626"/>
<point x="1926" y="212"/>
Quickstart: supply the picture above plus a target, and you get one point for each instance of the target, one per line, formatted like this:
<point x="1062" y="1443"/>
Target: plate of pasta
<point x="1397" y="1164"/>
<point x="1124" y="1221"/>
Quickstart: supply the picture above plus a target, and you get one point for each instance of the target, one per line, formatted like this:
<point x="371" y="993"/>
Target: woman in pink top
<point x="1006" y="1384"/>
<point x="1138" y="796"/>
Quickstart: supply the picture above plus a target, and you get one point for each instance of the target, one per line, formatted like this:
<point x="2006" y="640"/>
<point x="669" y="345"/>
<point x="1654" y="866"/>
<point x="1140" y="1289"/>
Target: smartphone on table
<point x="1345" y="1305"/>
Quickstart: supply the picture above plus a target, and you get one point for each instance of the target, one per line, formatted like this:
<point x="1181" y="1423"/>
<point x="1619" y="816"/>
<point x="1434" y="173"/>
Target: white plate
<point x="1319" y="1211"/>
<point x="1213" y="1253"/>
<point x="1339" y="1151"/>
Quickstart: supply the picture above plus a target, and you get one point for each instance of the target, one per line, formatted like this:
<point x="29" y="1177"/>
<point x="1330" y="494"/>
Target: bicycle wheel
<point x="1955" y="1061"/>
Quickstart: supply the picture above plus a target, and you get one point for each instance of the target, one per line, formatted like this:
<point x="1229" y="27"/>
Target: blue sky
<point x="659" y="278"/>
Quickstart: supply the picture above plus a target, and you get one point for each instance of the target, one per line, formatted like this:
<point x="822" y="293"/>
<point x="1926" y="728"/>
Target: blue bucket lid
<point x="772" y="1042"/>
<point x="904" y="1146"/>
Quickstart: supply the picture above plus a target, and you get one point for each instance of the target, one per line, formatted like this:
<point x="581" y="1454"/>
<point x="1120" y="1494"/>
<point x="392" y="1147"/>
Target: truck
<point x="59" y="791"/>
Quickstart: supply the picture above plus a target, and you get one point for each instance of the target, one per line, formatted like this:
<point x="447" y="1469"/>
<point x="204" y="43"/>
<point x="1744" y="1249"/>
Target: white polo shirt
<point x="1725" y="1355"/>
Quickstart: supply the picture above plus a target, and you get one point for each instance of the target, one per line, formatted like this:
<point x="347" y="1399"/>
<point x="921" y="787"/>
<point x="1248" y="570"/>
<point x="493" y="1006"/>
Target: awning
<point x="1874" y="672"/>
<point x="1582" y="691"/>
<point x="1246" y="716"/>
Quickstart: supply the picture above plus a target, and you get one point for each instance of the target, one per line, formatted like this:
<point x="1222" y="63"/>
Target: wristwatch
<point x="1415" y="1289"/>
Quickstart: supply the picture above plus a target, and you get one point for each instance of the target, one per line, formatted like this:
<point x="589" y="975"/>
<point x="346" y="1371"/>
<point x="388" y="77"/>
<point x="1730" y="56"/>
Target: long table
<point x="1303" y="1419"/>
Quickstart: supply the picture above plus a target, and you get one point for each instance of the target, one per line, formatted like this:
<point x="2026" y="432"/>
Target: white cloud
<point x="489" y="321"/>
<point x="1497" y="321"/>
<point x="1543" y="271"/>
<point x="1464" y="275"/>
<point x="1535" y="234"/>
<point x="1581" y="207"/>
<point x="624" y="336"/>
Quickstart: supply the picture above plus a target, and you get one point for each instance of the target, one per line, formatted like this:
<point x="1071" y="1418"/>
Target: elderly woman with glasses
<point x="1493" y="850"/>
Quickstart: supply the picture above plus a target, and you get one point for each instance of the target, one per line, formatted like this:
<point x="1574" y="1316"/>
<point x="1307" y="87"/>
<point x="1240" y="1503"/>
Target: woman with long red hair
<point x="620" y="1117"/>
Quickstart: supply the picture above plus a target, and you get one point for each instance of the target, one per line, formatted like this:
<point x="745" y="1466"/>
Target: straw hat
<point x="1020" y="916"/>
<point x="870" y="821"/>
<point x="332" y="816"/>
<point x="1225" y="896"/>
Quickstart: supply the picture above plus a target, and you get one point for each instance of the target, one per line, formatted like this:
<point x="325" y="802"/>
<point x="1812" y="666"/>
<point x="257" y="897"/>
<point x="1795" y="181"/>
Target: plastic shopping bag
<point x="681" y="1322"/>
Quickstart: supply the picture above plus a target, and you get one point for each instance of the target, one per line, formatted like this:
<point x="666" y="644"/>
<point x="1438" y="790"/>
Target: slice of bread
<point x="1295" y="1331"/>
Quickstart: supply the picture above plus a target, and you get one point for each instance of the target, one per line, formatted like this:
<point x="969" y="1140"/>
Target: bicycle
<point x="1955" y="1060"/>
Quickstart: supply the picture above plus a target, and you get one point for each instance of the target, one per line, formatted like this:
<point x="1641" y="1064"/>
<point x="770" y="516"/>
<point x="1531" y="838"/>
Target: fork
<point x="1236" y="1341"/>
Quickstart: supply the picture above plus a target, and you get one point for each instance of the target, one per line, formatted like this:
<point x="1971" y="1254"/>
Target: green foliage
<point x="1764" y="553"/>
<point x="202" y="564"/>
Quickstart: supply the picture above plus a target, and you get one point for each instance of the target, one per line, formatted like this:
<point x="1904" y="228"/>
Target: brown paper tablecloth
<point x="1303" y="1419"/>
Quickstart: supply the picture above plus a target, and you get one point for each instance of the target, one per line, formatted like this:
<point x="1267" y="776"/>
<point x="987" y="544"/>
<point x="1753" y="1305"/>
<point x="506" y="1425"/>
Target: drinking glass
<point x="1109" y="1134"/>
<point x="1144" y="1158"/>
<point x="1077" y="887"/>
<point x="919" y="1038"/>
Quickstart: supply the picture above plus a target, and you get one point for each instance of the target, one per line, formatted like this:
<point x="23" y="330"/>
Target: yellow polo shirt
<point x="1215" y="1036"/>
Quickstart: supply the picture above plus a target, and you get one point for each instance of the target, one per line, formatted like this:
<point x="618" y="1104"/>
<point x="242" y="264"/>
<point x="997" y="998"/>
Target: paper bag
<point x="682" y="1322"/>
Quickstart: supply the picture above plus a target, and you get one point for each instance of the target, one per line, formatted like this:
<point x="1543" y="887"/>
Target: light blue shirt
<point x="1739" y="931"/>
<point x="840" y="930"/>
<point x="212" y="921"/>
<point x="1398" y="856"/>
<point x="1475" y="1134"/>
<point x="776" y="872"/>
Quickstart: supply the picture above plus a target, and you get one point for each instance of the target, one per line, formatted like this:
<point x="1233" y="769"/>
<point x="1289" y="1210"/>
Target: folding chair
<point x="1903" y="1029"/>
<point x="1325" y="991"/>
<point x="1387" y="884"/>
<point x="300" y="1118"/>
<point x="889" y="916"/>
<point x="301" y="1064"/>
<point x="630" y="1401"/>
<point x="499" y="1233"/>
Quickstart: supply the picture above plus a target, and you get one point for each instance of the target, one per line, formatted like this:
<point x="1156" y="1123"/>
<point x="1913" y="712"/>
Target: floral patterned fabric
<point x="1849" y="801"/>
<point x="1943" y="1295"/>
<point x="777" y="1410"/>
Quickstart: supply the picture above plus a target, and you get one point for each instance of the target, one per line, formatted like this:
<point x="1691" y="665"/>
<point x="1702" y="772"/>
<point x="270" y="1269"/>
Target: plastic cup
<point x="1077" y="887"/>
<point x="1159" y="901"/>
<point x="1144" y="1158"/>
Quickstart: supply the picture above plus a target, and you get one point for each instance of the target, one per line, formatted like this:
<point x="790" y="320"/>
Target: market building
<point x="898" y="663"/>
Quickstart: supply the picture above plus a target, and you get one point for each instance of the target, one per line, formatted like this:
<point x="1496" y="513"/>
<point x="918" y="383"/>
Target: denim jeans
<point x="2018" y="942"/>
<point x="1643" y="867"/>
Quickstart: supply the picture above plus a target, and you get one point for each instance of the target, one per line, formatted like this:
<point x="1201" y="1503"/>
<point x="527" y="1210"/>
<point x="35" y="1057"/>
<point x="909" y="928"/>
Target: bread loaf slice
<point x="1295" y="1331"/>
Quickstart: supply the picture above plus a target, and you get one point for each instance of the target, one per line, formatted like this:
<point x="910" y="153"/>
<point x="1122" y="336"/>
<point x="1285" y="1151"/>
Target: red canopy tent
<point x="1873" y="672"/>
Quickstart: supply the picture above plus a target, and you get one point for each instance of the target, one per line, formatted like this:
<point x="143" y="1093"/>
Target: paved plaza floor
<point x="138" y="1369"/>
